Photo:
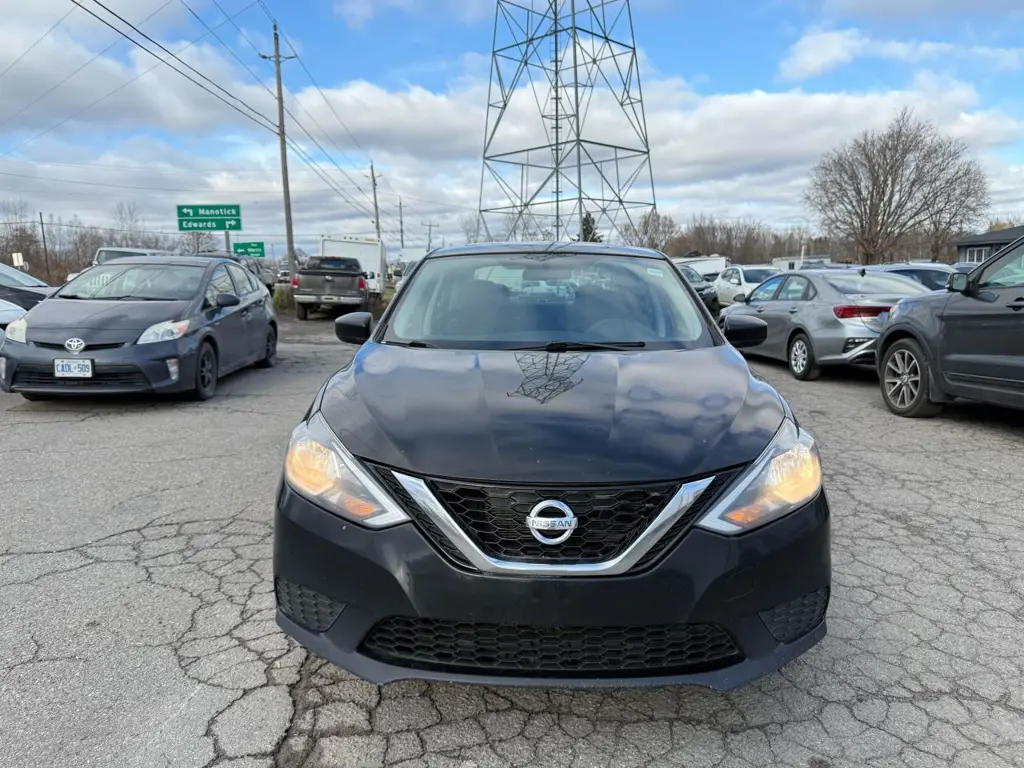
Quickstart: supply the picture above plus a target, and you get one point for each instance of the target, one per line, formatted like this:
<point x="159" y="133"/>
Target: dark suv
<point x="966" y="341"/>
<point x="583" y="488"/>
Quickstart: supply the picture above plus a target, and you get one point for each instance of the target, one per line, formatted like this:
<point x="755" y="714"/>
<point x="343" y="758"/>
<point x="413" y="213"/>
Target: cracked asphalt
<point x="138" y="616"/>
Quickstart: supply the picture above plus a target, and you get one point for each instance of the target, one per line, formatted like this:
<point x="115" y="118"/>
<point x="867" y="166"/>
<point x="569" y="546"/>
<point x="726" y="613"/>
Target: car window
<point x="794" y="289"/>
<point x="515" y="300"/>
<point x="103" y="255"/>
<point x="10" y="276"/>
<point x="935" y="279"/>
<point x="141" y="282"/>
<point x="766" y="290"/>
<point x="690" y="273"/>
<point x="757" y="276"/>
<point x="851" y="282"/>
<point x="254" y="282"/>
<point x="334" y="262"/>
<point x="220" y="282"/>
<point x="1006" y="272"/>
<point x="240" y="277"/>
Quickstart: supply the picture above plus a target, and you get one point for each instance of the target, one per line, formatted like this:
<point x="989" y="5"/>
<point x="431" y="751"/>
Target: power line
<point x="119" y="88"/>
<point x="42" y="37"/>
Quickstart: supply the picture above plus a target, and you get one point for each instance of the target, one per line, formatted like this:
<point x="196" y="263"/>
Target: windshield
<point x="10" y="276"/>
<point x="690" y="273"/>
<point x="853" y="282"/>
<point x="141" y="282"/>
<point x="510" y="301"/>
<point x="759" y="275"/>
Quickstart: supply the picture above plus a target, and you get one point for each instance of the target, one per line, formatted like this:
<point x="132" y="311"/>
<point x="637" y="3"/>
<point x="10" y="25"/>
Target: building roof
<point x="997" y="237"/>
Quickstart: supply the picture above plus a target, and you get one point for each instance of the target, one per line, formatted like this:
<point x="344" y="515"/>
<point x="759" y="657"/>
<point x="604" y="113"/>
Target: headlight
<point x="169" y="331"/>
<point x="318" y="467"/>
<point x="784" y="478"/>
<point x="16" y="331"/>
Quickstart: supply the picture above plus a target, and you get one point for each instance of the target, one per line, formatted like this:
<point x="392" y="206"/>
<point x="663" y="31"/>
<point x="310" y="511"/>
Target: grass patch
<point x="283" y="298"/>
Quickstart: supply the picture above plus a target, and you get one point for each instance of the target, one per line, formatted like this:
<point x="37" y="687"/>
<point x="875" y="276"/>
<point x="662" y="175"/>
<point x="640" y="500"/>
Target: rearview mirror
<point x="227" y="300"/>
<point x="354" y="328"/>
<point x="958" y="282"/>
<point x="742" y="331"/>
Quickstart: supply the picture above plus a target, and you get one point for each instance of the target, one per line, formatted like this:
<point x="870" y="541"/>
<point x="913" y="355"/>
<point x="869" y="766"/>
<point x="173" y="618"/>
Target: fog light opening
<point x="852" y="344"/>
<point x="173" y="368"/>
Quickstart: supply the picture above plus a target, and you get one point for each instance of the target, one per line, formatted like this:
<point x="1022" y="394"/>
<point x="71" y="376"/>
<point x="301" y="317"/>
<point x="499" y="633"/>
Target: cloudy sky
<point x="741" y="97"/>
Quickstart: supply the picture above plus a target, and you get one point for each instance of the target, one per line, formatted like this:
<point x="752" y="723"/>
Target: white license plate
<point x="72" y="369"/>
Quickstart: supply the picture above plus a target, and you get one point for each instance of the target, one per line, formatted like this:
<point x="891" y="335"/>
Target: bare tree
<point x="470" y="225"/>
<point x="191" y="243"/>
<point x="654" y="230"/>
<point x="884" y="185"/>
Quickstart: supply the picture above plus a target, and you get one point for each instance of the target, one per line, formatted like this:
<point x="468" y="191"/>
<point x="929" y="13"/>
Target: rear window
<point x="333" y="262"/>
<point x="853" y="283"/>
<point x="758" y="275"/>
<point x="108" y="254"/>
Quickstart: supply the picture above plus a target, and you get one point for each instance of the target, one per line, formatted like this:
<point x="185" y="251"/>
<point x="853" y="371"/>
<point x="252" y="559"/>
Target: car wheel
<point x="270" y="351"/>
<point x="801" y="359"/>
<point x="905" y="381"/>
<point x="302" y="311"/>
<point x="206" y="373"/>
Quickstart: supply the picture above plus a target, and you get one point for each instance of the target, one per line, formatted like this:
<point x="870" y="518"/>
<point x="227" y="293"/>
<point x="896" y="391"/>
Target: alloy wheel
<point x="206" y="372"/>
<point x="902" y="378"/>
<point x="798" y="356"/>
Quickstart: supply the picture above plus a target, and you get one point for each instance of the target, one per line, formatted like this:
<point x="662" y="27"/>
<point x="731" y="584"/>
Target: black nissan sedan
<point x="593" y="491"/>
<point x="141" y="324"/>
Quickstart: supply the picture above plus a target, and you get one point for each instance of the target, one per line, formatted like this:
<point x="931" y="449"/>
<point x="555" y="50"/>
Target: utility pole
<point x="227" y="241"/>
<point x="289" y="234"/>
<point x="401" y="222"/>
<point x="46" y="253"/>
<point x="430" y="234"/>
<point x="376" y="208"/>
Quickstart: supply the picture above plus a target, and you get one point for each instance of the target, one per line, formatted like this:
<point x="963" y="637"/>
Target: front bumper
<point x="327" y="299"/>
<point x="369" y="601"/>
<point x="126" y="369"/>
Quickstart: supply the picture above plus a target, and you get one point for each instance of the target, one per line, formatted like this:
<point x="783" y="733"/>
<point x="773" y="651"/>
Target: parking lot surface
<point x="138" y="613"/>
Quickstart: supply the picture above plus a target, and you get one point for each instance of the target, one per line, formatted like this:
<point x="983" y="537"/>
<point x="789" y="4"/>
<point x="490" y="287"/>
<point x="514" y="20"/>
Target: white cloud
<point x="821" y="51"/>
<point x="905" y="8"/>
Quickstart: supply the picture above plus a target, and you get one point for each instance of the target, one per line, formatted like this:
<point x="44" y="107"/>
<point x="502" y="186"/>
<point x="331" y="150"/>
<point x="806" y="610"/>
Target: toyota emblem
<point x="74" y="345"/>
<point x="551" y="522"/>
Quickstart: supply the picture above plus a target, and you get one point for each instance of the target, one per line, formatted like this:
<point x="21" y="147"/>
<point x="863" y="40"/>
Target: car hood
<point x="535" y="417"/>
<point x="98" y="321"/>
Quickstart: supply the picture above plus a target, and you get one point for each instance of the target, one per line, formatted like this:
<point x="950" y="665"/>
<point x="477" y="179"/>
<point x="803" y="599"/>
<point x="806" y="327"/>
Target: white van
<point x="103" y="255"/>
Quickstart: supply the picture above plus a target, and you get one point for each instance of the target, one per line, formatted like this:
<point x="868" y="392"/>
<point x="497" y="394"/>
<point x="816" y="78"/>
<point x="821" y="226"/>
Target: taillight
<point x="847" y="313"/>
<point x="362" y="284"/>
<point x="295" y="282"/>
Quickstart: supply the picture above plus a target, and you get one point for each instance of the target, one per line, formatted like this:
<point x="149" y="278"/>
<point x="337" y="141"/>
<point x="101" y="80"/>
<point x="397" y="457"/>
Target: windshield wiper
<point x="137" y="298"/>
<point x="577" y="346"/>
<point x="414" y="344"/>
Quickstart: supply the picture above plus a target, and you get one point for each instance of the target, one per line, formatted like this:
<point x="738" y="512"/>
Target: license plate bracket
<point x="72" y="368"/>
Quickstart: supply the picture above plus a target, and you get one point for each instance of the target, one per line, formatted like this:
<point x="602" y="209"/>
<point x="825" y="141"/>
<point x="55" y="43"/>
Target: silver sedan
<point x="824" y="317"/>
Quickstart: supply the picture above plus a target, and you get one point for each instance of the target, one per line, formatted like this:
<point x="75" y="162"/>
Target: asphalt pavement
<point x="138" y="630"/>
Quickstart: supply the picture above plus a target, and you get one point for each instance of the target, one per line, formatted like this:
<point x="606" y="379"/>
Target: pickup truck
<point x="329" y="281"/>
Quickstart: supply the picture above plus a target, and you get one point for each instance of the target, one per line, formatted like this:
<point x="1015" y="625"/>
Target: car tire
<point x="800" y="359"/>
<point x="904" y="365"/>
<point x="206" y="372"/>
<point x="269" y="352"/>
<point x="302" y="311"/>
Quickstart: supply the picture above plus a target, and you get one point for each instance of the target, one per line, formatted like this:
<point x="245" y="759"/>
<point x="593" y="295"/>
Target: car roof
<point x="497" y="249"/>
<point x="180" y="261"/>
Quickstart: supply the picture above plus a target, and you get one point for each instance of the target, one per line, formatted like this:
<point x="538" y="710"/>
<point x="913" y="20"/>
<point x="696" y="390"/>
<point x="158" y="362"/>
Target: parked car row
<point x="932" y="332"/>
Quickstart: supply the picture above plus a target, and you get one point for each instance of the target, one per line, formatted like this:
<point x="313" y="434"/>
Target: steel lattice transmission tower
<point x="566" y="133"/>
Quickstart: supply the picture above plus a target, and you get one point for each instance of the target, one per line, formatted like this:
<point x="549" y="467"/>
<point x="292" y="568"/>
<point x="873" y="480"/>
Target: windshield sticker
<point x="655" y="272"/>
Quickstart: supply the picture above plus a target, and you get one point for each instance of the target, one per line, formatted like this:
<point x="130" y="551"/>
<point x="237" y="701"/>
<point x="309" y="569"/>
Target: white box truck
<point x="368" y="250"/>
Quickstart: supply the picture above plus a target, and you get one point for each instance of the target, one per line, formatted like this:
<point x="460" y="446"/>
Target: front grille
<point x="610" y="518"/>
<point x="790" y="621"/>
<point x="126" y="377"/>
<point x="306" y="606"/>
<point x="90" y="347"/>
<point x="499" y="649"/>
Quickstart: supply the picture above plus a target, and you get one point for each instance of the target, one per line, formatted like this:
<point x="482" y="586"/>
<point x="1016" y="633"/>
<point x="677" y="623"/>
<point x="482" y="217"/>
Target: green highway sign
<point x="257" y="250"/>
<point x="210" y="225"/>
<point x="209" y="211"/>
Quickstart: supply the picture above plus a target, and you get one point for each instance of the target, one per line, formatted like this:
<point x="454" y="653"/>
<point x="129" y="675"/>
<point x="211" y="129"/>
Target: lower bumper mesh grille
<point x="306" y="606"/>
<point x="510" y="650"/>
<point x="790" y="621"/>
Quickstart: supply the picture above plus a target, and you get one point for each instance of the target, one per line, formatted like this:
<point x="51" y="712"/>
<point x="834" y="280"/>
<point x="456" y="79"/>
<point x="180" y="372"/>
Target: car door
<point x="981" y="346"/>
<point x="781" y="313"/>
<point x="230" y="329"/>
<point x="247" y="289"/>
<point x="763" y="304"/>
<point x="727" y="286"/>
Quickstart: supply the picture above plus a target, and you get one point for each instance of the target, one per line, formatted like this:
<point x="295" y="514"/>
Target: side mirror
<point x="354" y="328"/>
<point x="958" y="282"/>
<point x="741" y="298"/>
<point x="225" y="300"/>
<point x="742" y="331"/>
